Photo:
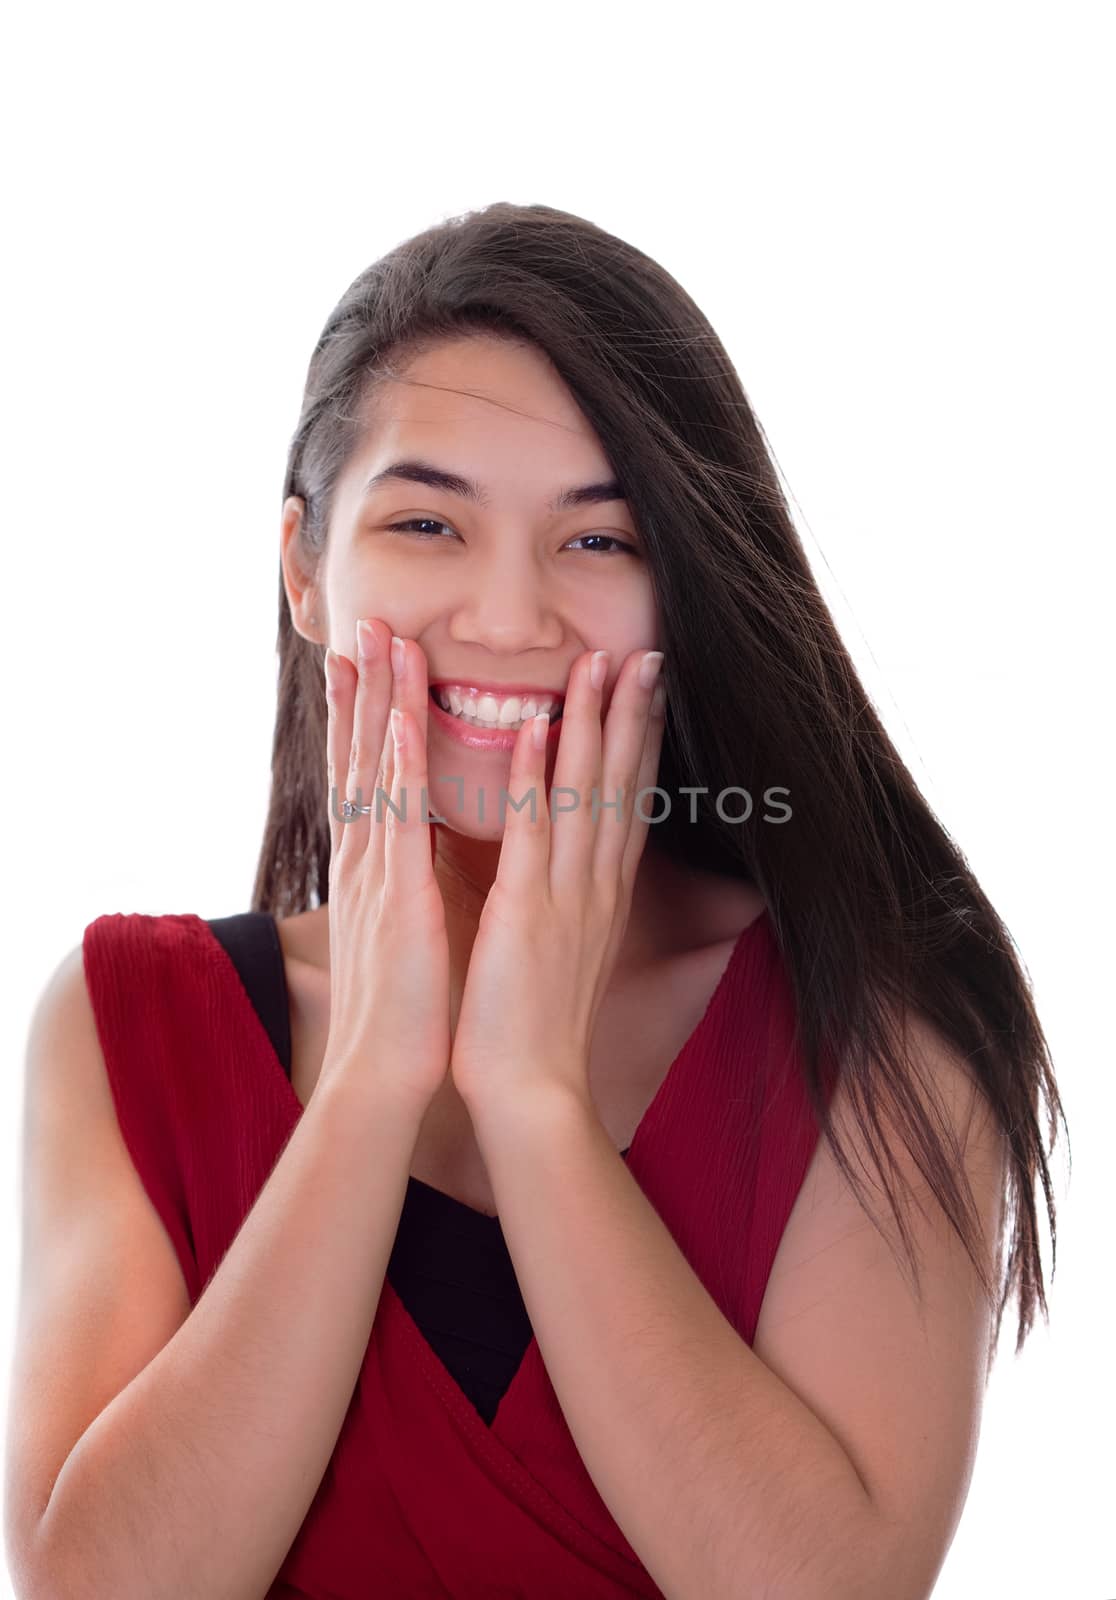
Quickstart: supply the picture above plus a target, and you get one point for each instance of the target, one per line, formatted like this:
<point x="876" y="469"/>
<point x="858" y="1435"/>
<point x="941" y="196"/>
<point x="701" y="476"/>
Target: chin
<point x="465" y="816"/>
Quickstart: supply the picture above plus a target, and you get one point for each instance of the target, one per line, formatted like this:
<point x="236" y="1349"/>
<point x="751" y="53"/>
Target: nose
<point x="507" y="608"/>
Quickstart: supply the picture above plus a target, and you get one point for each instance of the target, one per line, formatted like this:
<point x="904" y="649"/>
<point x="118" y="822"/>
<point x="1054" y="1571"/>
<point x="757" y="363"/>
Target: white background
<point x="895" y="218"/>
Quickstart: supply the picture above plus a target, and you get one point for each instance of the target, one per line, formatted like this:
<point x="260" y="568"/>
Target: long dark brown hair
<point x="874" y="907"/>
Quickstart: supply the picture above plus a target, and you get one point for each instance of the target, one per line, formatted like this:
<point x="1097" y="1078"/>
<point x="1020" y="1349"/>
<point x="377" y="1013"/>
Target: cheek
<point x="621" y="622"/>
<point x="625" y="594"/>
<point x="371" y="589"/>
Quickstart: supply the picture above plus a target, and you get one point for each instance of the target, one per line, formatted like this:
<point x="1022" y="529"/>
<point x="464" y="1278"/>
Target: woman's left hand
<point x="554" y="919"/>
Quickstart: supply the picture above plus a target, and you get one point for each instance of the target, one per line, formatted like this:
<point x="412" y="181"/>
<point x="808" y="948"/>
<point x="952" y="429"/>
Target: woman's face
<point x="499" y="592"/>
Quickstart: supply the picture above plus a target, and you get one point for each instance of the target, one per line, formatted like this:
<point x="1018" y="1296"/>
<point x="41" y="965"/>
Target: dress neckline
<point x="486" y="1437"/>
<point x="716" y="1000"/>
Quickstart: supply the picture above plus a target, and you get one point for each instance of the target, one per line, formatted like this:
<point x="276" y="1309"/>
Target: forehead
<point x="478" y="380"/>
<point x="483" y="415"/>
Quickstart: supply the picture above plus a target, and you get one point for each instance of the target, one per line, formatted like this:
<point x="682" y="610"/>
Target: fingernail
<point x="649" y="668"/>
<point x="398" y="656"/>
<point x="598" y="668"/>
<point x="366" y="640"/>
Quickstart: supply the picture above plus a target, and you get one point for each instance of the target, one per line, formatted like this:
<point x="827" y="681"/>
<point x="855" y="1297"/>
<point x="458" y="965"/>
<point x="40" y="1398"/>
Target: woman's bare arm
<point x="194" y="1481"/>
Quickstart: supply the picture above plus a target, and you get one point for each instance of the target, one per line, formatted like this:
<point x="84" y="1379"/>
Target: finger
<point x="370" y="709"/>
<point x="385" y="778"/>
<point x="523" y="867"/>
<point x="645" y="805"/>
<point x="578" y="768"/>
<point x="412" y="692"/>
<point x="340" y="680"/>
<point x="629" y="722"/>
<point x="408" y="857"/>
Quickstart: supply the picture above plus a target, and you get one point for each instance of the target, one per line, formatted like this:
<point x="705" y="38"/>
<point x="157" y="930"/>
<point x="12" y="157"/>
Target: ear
<point x="307" y="609"/>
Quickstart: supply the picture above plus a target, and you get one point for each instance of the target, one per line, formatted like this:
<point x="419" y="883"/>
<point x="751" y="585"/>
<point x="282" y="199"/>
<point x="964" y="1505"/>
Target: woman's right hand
<point x="388" y="951"/>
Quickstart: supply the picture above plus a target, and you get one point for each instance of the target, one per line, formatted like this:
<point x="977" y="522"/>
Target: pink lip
<point x="481" y="738"/>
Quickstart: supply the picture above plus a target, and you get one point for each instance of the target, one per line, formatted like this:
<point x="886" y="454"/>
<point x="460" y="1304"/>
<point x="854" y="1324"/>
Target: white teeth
<point x="487" y="711"/>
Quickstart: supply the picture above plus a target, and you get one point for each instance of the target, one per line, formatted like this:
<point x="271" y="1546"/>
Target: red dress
<point x="422" y="1498"/>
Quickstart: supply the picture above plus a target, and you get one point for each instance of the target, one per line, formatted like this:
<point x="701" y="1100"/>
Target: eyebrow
<point x="588" y="494"/>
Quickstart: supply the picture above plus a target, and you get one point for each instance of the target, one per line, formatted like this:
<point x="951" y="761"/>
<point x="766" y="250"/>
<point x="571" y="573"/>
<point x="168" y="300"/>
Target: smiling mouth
<point x="439" y="698"/>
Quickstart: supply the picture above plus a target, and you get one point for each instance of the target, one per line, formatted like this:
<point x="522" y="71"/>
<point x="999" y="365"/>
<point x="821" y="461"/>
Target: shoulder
<point x="951" y="1100"/>
<point x="67" y="1078"/>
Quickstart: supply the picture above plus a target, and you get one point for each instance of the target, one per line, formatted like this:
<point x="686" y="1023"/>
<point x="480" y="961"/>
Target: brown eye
<point x="414" y="522"/>
<point x="608" y="539"/>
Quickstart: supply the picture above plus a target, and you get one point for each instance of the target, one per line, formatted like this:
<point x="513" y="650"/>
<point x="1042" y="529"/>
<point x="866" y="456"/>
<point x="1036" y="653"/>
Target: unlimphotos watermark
<point x="382" y="803"/>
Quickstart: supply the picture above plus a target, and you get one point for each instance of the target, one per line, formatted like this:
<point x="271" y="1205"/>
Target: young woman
<point x="600" y="1161"/>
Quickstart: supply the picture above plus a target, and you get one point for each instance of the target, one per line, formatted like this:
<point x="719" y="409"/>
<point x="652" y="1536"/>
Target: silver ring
<point x="349" y="810"/>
